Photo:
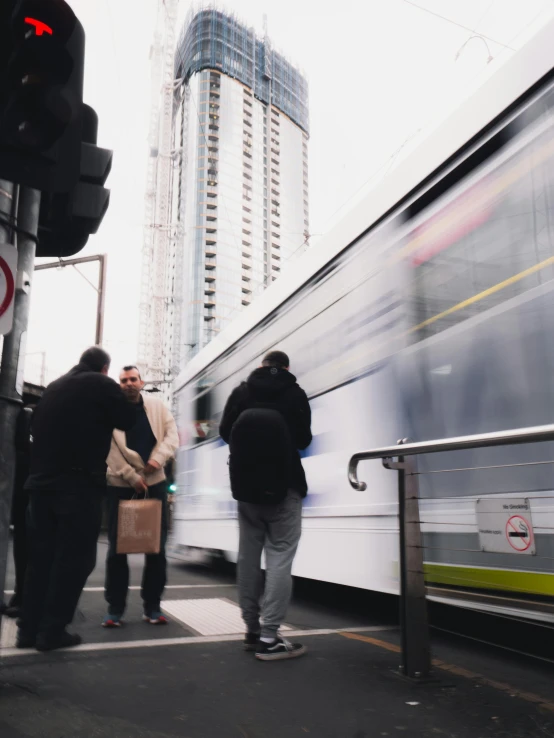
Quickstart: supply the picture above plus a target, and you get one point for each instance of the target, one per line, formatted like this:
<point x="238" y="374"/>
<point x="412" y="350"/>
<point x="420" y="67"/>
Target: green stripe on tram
<point x="539" y="583"/>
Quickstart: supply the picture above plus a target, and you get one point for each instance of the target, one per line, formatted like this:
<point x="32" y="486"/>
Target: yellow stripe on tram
<point x="490" y="291"/>
<point x="539" y="583"/>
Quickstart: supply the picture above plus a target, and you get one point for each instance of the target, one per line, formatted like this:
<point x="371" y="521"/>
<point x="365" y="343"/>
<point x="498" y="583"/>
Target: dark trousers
<point x="63" y="530"/>
<point x="20" y="505"/>
<point x="154" y="574"/>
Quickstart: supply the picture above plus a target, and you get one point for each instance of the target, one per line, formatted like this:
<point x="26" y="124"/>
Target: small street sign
<point x="8" y="272"/>
<point x="505" y="525"/>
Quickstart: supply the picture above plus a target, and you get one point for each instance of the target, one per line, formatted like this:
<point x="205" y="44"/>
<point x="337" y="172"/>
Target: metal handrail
<point x="459" y="443"/>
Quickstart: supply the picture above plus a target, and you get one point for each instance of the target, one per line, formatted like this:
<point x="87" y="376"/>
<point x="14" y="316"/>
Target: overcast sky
<point x="379" y="70"/>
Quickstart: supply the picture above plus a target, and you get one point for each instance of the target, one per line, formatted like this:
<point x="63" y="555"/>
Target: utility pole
<point x="100" y="290"/>
<point x="13" y="352"/>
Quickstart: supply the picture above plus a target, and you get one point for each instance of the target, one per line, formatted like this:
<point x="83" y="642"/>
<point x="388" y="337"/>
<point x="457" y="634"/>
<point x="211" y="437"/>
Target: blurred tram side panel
<point x="428" y="313"/>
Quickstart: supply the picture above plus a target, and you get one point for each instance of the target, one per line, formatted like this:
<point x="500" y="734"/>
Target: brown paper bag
<point x="139" y="526"/>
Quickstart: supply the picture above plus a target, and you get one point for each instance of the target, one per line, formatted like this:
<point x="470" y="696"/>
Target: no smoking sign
<point x="8" y="271"/>
<point x="505" y="525"/>
<point x="519" y="533"/>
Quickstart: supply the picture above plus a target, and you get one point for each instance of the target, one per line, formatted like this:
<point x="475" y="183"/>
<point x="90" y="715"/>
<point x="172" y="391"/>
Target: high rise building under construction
<point x="239" y="177"/>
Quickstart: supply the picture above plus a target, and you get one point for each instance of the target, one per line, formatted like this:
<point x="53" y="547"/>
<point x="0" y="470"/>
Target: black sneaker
<point x="251" y="641"/>
<point x="279" y="649"/>
<point x="63" y="640"/>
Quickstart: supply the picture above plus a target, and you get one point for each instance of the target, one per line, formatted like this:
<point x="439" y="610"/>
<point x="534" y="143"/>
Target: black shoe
<point x="12" y="611"/>
<point x="25" y="640"/>
<point x="251" y="641"/>
<point x="279" y="649"/>
<point x="63" y="640"/>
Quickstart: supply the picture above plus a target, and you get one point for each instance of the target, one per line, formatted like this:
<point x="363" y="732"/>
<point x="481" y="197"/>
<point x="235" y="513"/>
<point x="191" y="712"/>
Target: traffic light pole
<point x="13" y="352"/>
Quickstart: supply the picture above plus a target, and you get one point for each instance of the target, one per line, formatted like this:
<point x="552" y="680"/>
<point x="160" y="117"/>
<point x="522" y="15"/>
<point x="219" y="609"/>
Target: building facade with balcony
<point x="240" y="174"/>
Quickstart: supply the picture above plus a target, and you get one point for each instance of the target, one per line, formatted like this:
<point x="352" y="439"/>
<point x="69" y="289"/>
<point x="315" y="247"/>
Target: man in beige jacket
<point x="136" y="467"/>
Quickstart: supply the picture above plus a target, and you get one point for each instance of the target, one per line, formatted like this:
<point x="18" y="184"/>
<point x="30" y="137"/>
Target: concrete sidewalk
<point x="343" y="688"/>
<point x="191" y="679"/>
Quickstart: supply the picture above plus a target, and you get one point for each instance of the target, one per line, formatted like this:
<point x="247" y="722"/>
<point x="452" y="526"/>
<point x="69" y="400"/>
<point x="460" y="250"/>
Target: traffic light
<point x="66" y="220"/>
<point x="41" y="96"/>
<point x="6" y="42"/>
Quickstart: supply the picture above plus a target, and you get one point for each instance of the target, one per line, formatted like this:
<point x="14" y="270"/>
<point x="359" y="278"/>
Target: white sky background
<point x="378" y="71"/>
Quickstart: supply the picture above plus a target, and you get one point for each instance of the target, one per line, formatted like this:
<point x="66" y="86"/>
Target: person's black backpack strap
<point x="260" y="455"/>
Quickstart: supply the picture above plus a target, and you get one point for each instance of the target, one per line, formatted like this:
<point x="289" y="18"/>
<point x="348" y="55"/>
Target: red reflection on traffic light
<point x="39" y="26"/>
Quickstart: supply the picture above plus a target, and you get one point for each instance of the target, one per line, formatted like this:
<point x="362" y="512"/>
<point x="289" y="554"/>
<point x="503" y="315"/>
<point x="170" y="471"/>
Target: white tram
<point x="428" y="312"/>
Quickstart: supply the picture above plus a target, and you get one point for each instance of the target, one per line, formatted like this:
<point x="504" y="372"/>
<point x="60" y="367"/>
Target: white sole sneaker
<point x="162" y="620"/>
<point x="281" y="655"/>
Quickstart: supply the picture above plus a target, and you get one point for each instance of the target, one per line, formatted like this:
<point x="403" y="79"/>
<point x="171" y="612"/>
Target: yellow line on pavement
<point x="373" y="641"/>
<point x="460" y="671"/>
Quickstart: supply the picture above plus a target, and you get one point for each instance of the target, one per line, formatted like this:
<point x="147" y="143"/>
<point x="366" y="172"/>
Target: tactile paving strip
<point x="207" y="616"/>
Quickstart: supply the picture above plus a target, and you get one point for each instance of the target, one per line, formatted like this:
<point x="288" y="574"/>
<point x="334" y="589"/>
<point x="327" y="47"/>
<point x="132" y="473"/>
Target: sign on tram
<point x="505" y="525"/>
<point x="8" y="271"/>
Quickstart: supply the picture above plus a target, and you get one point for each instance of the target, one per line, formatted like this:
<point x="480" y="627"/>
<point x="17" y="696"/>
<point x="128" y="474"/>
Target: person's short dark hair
<point x="129" y="368"/>
<point x="277" y="359"/>
<point x="95" y="358"/>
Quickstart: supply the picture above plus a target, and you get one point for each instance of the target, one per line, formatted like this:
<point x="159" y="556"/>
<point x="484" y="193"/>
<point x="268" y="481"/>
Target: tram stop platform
<point x="192" y="679"/>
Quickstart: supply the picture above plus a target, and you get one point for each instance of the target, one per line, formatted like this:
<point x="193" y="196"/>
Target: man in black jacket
<point x="72" y="430"/>
<point x="274" y="528"/>
<point x="20" y="503"/>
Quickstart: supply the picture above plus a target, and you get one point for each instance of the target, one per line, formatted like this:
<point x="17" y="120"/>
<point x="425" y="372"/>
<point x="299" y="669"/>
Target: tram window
<point x="203" y="423"/>
<point x="485" y="152"/>
<point x="491" y="243"/>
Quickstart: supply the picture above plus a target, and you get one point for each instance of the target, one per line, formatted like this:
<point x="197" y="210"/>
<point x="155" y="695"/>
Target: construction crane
<point x="157" y="305"/>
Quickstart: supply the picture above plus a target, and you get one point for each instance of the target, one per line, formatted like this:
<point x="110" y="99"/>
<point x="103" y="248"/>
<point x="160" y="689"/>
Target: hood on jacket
<point x="267" y="382"/>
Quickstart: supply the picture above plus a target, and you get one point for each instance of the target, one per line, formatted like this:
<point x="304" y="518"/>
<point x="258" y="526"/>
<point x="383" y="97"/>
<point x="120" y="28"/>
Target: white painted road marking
<point x="137" y="589"/>
<point x="184" y="641"/>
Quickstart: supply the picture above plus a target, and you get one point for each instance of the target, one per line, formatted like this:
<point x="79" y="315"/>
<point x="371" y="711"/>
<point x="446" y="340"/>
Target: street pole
<point x="101" y="299"/>
<point x="13" y="351"/>
<point x="102" y="259"/>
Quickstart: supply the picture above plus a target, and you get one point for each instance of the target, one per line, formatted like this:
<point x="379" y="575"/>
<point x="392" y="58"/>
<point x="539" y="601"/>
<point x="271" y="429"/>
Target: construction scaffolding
<point x="154" y="355"/>
<point x="211" y="38"/>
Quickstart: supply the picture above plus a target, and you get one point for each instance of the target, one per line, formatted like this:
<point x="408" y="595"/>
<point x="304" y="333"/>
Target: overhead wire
<point x="388" y="164"/>
<point x="527" y="26"/>
<point x="454" y="22"/>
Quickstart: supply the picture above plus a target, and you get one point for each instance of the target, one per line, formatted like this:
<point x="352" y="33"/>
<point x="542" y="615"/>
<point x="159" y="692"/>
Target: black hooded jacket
<point x="279" y="387"/>
<point x="72" y="430"/>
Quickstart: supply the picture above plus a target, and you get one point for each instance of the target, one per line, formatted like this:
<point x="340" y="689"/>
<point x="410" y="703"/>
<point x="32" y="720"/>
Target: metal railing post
<point x="415" y="629"/>
<point x="416" y="651"/>
<point x="414" y="626"/>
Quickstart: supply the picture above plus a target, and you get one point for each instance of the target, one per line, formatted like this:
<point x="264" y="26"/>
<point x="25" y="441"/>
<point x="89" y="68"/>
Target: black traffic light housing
<point x="67" y="220"/>
<point x="41" y="96"/>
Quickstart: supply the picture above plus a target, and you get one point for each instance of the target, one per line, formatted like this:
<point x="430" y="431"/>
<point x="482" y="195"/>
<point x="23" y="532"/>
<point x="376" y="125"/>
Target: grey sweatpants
<point x="277" y="529"/>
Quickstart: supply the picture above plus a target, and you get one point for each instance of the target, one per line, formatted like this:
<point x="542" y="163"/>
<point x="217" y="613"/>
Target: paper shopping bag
<point x="139" y="526"/>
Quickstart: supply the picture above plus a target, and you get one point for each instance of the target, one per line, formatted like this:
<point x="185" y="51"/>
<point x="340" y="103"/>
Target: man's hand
<point x="140" y="486"/>
<point x="151" y="467"/>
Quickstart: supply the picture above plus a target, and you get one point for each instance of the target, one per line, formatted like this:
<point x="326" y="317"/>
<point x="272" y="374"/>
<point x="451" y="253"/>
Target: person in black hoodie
<point x="273" y="528"/>
<point x="72" y="431"/>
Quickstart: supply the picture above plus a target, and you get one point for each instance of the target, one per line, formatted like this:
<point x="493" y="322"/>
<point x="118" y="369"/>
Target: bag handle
<point x="146" y="494"/>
